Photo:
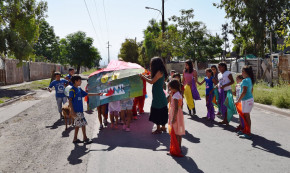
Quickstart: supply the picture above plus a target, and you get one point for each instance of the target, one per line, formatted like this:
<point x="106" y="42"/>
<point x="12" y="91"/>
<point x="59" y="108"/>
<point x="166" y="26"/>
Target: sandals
<point x="77" y="141"/>
<point x="157" y="132"/>
<point x="87" y="141"/>
<point x="163" y="130"/>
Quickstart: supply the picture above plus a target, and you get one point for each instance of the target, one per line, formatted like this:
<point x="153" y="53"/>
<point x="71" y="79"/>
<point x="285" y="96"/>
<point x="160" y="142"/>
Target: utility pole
<point x="163" y="25"/>
<point x="271" y="58"/>
<point x="109" y="52"/>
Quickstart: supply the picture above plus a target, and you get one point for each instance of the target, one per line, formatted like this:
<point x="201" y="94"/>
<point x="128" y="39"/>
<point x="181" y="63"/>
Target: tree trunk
<point x="78" y="69"/>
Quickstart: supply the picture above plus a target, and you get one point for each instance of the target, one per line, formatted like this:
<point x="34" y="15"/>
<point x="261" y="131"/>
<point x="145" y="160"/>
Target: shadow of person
<point x="55" y="124"/>
<point x="66" y="132"/>
<point x="77" y="153"/>
<point x="203" y="120"/>
<point x="190" y="137"/>
<point x="139" y="137"/>
<point x="187" y="163"/>
<point x="273" y="147"/>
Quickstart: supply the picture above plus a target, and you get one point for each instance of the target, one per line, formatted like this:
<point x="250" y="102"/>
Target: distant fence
<point x="10" y="73"/>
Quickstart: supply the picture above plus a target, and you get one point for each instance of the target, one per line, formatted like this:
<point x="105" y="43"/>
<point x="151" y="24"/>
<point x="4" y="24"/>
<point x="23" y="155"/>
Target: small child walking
<point x="210" y="81"/>
<point x="126" y="113"/>
<point x="76" y="105"/>
<point x="59" y="85"/>
<point x="114" y="109"/>
<point x="237" y="93"/>
<point x="176" y="119"/>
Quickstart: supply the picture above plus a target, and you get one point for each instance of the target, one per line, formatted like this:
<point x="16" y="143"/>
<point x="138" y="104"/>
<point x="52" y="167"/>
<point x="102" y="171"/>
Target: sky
<point x="117" y="20"/>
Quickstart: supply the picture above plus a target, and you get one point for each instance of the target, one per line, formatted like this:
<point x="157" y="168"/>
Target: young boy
<point x="76" y="104"/>
<point x="59" y="85"/>
<point x="71" y="72"/>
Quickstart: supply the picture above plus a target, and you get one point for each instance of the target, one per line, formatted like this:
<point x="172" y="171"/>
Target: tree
<point x="262" y="16"/>
<point x="79" y="51"/>
<point x="47" y="45"/>
<point x="19" y="26"/>
<point x="129" y="51"/>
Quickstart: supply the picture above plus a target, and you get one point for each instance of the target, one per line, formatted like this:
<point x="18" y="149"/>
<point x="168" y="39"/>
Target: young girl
<point x="215" y="91"/>
<point x="237" y="93"/>
<point x="176" y="120"/>
<point x="102" y="111"/>
<point x="247" y="96"/>
<point x="114" y="109"/>
<point x="209" y="82"/>
<point x="225" y="79"/>
<point x="159" y="110"/>
<point x="189" y="80"/>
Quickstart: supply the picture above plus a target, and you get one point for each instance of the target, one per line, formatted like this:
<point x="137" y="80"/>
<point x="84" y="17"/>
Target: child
<point x="237" y="93"/>
<point x="102" y="110"/>
<point x="76" y="105"/>
<point x="59" y="85"/>
<point x="209" y="82"/>
<point x="71" y="72"/>
<point x="178" y="77"/>
<point x="176" y="120"/>
<point x="114" y="109"/>
<point x="139" y="101"/>
<point x="247" y="97"/>
<point x="126" y="109"/>
<point x="225" y="79"/>
<point x="215" y="91"/>
<point x="87" y="99"/>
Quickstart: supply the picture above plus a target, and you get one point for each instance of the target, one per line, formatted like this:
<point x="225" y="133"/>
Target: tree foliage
<point x="79" y="51"/>
<point x="261" y="16"/>
<point x="19" y="26"/>
<point x="47" y="46"/>
<point x="129" y="51"/>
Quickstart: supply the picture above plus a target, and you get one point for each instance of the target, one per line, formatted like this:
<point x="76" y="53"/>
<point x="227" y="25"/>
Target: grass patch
<point x="89" y="72"/>
<point x="3" y="99"/>
<point x="35" y="85"/>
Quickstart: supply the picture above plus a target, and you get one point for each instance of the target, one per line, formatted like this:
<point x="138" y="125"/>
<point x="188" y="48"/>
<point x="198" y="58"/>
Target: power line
<point x="92" y="21"/>
<point x="106" y="19"/>
<point x="98" y="18"/>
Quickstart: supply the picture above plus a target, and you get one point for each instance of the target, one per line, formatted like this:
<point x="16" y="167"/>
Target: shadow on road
<point x="267" y="145"/>
<point x="12" y="93"/>
<point x="66" y="132"/>
<point x="78" y="152"/>
<point x="188" y="164"/>
<point x="55" y="125"/>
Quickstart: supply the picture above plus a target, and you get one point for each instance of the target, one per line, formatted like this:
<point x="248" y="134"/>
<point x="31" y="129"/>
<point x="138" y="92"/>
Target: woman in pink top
<point x="190" y="76"/>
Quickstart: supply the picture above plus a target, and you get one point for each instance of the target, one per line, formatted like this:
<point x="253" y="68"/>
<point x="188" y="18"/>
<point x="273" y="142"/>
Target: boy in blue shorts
<point x="59" y="85"/>
<point x="76" y="95"/>
<point x="71" y="72"/>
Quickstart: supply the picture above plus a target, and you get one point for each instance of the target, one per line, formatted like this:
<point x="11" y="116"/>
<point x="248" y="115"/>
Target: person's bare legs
<point x="129" y="117"/>
<point x="76" y="133"/>
<point x="178" y="137"/>
<point x="84" y="132"/>
<point x="100" y="115"/>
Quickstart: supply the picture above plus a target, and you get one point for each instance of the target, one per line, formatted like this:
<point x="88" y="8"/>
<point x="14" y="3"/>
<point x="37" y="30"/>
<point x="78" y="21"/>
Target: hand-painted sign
<point x="120" y="80"/>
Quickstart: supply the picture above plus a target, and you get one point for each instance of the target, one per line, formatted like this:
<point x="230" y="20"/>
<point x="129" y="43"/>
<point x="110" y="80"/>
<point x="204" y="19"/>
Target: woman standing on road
<point x="189" y="81"/>
<point x="159" y="110"/>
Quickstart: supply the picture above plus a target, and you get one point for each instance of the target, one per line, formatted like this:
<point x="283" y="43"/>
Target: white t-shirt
<point x="238" y="89"/>
<point x="224" y="79"/>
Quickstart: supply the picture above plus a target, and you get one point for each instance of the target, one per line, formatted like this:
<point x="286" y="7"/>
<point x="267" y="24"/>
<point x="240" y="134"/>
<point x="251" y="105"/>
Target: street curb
<point x="273" y="109"/>
<point x="16" y="98"/>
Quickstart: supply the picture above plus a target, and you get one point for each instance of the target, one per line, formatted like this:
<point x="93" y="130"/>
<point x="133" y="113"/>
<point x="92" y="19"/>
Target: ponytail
<point x="248" y="69"/>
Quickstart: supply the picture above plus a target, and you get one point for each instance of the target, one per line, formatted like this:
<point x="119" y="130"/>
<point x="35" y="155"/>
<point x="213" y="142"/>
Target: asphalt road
<point x="34" y="140"/>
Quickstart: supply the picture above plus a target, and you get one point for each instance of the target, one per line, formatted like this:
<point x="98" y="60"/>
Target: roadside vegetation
<point x="35" y="85"/>
<point x="90" y="71"/>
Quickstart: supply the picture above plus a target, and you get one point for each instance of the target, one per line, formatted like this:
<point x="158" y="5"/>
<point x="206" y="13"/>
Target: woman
<point x="159" y="110"/>
<point x="246" y="97"/>
<point x="216" y="93"/>
<point x="225" y="79"/>
<point x="189" y="78"/>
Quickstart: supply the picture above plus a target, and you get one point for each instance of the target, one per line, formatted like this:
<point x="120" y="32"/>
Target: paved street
<point x="35" y="141"/>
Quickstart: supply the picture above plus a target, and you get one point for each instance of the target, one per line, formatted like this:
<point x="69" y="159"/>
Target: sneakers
<point x="101" y="127"/>
<point x="239" y="133"/>
<point x="245" y="136"/>
<point x="128" y="129"/>
<point x="135" y="118"/>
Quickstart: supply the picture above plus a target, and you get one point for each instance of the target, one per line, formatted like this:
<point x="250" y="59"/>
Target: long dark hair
<point x="177" y="75"/>
<point x="190" y="65"/>
<point x="223" y="64"/>
<point x="216" y="69"/>
<point x="156" y="65"/>
<point x="174" y="84"/>
<point x="210" y="71"/>
<point x="248" y="69"/>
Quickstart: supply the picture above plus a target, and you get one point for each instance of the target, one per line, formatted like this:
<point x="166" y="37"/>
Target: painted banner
<point x="120" y="80"/>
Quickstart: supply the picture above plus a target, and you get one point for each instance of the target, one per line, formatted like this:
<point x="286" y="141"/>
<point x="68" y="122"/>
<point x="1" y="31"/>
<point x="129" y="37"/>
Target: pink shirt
<point x="188" y="78"/>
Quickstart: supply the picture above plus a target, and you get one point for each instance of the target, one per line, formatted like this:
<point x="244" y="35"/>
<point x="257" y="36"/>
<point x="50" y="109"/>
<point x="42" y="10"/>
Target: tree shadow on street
<point x="267" y="145"/>
<point x="78" y="152"/>
<point x="56" y="124"/>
